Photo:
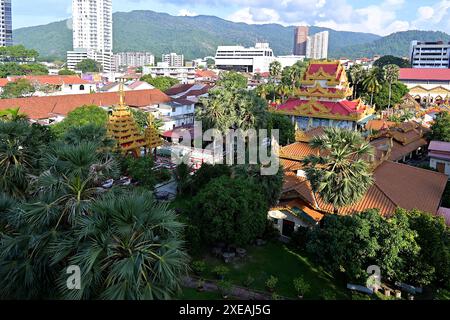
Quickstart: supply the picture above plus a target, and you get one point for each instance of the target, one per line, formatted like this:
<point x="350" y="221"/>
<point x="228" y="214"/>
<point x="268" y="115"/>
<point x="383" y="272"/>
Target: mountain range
<point x="199" y="36"/>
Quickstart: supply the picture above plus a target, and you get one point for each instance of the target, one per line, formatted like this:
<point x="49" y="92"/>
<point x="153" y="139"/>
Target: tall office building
<point x="430" y="54"/>
<point x="92" y="32"/>
<point x="300" y="40"/>
<point x="5" y="23"/>
<point x="173" y="59"/>
<point x="317" y="46"/>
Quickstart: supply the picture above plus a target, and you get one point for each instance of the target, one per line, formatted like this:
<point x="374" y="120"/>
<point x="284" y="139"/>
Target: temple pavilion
<point x="123" y="128"/>
<point x="322" y="100"/>
<point x="395" y="186"/>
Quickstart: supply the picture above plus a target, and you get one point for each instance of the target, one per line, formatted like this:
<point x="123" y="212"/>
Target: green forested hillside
<point x="199" y="37"/>
<point x="396" y="44"/>
<point x="194" y="36"/>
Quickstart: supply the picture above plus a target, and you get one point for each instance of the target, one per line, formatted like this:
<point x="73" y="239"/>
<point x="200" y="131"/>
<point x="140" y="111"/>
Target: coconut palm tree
<point x="129" y="248"/>
<point x="357" y="74"/>
<point x="12" y="115"/>
<point x="275" y="69"/>
<point x="371" y="84"/>
<point x="340" y="173"/>
<point x="391" y="74"/>
<point x="283" y="91"/>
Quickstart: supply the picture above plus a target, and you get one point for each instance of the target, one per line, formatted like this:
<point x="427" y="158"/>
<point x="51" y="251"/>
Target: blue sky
<point x="377" y="16"/>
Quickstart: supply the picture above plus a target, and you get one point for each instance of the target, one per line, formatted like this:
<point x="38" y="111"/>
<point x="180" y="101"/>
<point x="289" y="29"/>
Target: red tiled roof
<point x="432" y="74"/>
<point x="48" y="80"/>
<point x="206" y="74"/>
<point x="179" y="88"/>
<point x="396" y="185"/>
<point x="44" y="107"/>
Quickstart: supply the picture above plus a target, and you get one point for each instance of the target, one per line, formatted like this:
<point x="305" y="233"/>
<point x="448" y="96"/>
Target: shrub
<point x="224" y="288"/>
<point x="270" y="233"/>
<point x="299" y="238"/>
<point x="221" y="271"/>
<point x="271" y="283"/>
<point x="199" y="267"/>
<point x="301" y="286"/>
<point x="249" y="281"/>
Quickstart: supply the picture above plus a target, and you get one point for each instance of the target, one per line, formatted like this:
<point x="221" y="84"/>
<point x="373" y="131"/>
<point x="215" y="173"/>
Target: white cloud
<point x="382" y="18"/>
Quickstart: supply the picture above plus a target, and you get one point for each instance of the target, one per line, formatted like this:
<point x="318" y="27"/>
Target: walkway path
<point x="238" y="292"/>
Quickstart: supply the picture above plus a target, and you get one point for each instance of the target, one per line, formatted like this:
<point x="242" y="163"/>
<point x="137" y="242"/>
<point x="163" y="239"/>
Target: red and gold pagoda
<point x="124" y="130"/>
<point x="322" y="100"/>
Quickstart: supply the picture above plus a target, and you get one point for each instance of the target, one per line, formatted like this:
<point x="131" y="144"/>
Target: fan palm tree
<point x="357" y="74"/>
<point x="128" y="248"/>
<point x="16" y="157"/>
<point x="371" y="84"/>
<point x="295" y="75"/>
<point x="391" y="74"/>
<point x="340" y="173"/>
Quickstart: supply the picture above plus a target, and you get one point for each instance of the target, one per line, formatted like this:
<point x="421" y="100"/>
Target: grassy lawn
<point x="192" y="294"/>
<point x="278" y="260"/>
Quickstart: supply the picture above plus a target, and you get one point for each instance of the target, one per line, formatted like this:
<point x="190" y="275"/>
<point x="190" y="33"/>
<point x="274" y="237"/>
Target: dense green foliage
<point x="232" y="80"/>
<point x="18" y="89"/>
<point x="17" y="54"/>
<point x="89" y="65"/>
<point x="387" y="60"/>
<point x="81" y="116"/>
<point x="440" y="130"/>
<point x="412" y="247"/>
<point x="284" y="125"/>
<point x="194" y="36"/>
<point x="229" y="210"/>
<point x="161" y="83"/>
<point x="381" y="99"/>
<point x="15" y="69"/>
<point x="66" y="72"/>
<point x="231" y="108"/>
<point x="54" y="214"/>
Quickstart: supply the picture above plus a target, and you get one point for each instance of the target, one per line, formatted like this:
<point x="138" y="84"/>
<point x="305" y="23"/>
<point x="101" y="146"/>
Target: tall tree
<point x="440" y="130"/>
<point x="357" y="75"/>
<point x="275" y="69"/>
<point x="391" y="74"/>
<point x="340" y="172"/>
<point x="18" y="89"/>
<point x="89" y="65"/>
<point x="81" y="116"/>
<point x="372" y="84"/>
<point x="389" y="59"/>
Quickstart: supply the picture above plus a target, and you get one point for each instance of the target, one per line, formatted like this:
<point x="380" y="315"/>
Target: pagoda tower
<point x="152" y="134"/>
<point x="124" y="130"/>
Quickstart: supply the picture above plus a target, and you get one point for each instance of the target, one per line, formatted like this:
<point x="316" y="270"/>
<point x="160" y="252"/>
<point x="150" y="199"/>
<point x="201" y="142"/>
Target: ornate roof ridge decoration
<point x="318" y="91"/>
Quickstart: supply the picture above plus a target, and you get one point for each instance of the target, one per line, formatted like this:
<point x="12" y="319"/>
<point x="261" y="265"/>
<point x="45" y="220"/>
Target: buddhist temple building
<point x="322" y="100"/>
<point x="404" y="139"/>
<point x="395" y="186"/>
<point x="124" y="130"/>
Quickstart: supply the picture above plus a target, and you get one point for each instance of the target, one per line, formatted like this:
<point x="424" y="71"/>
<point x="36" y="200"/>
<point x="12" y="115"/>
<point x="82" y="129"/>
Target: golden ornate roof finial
<point x="122" y="94"/>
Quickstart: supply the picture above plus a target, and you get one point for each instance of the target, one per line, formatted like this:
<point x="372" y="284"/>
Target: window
<point x="82" y="87"/>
